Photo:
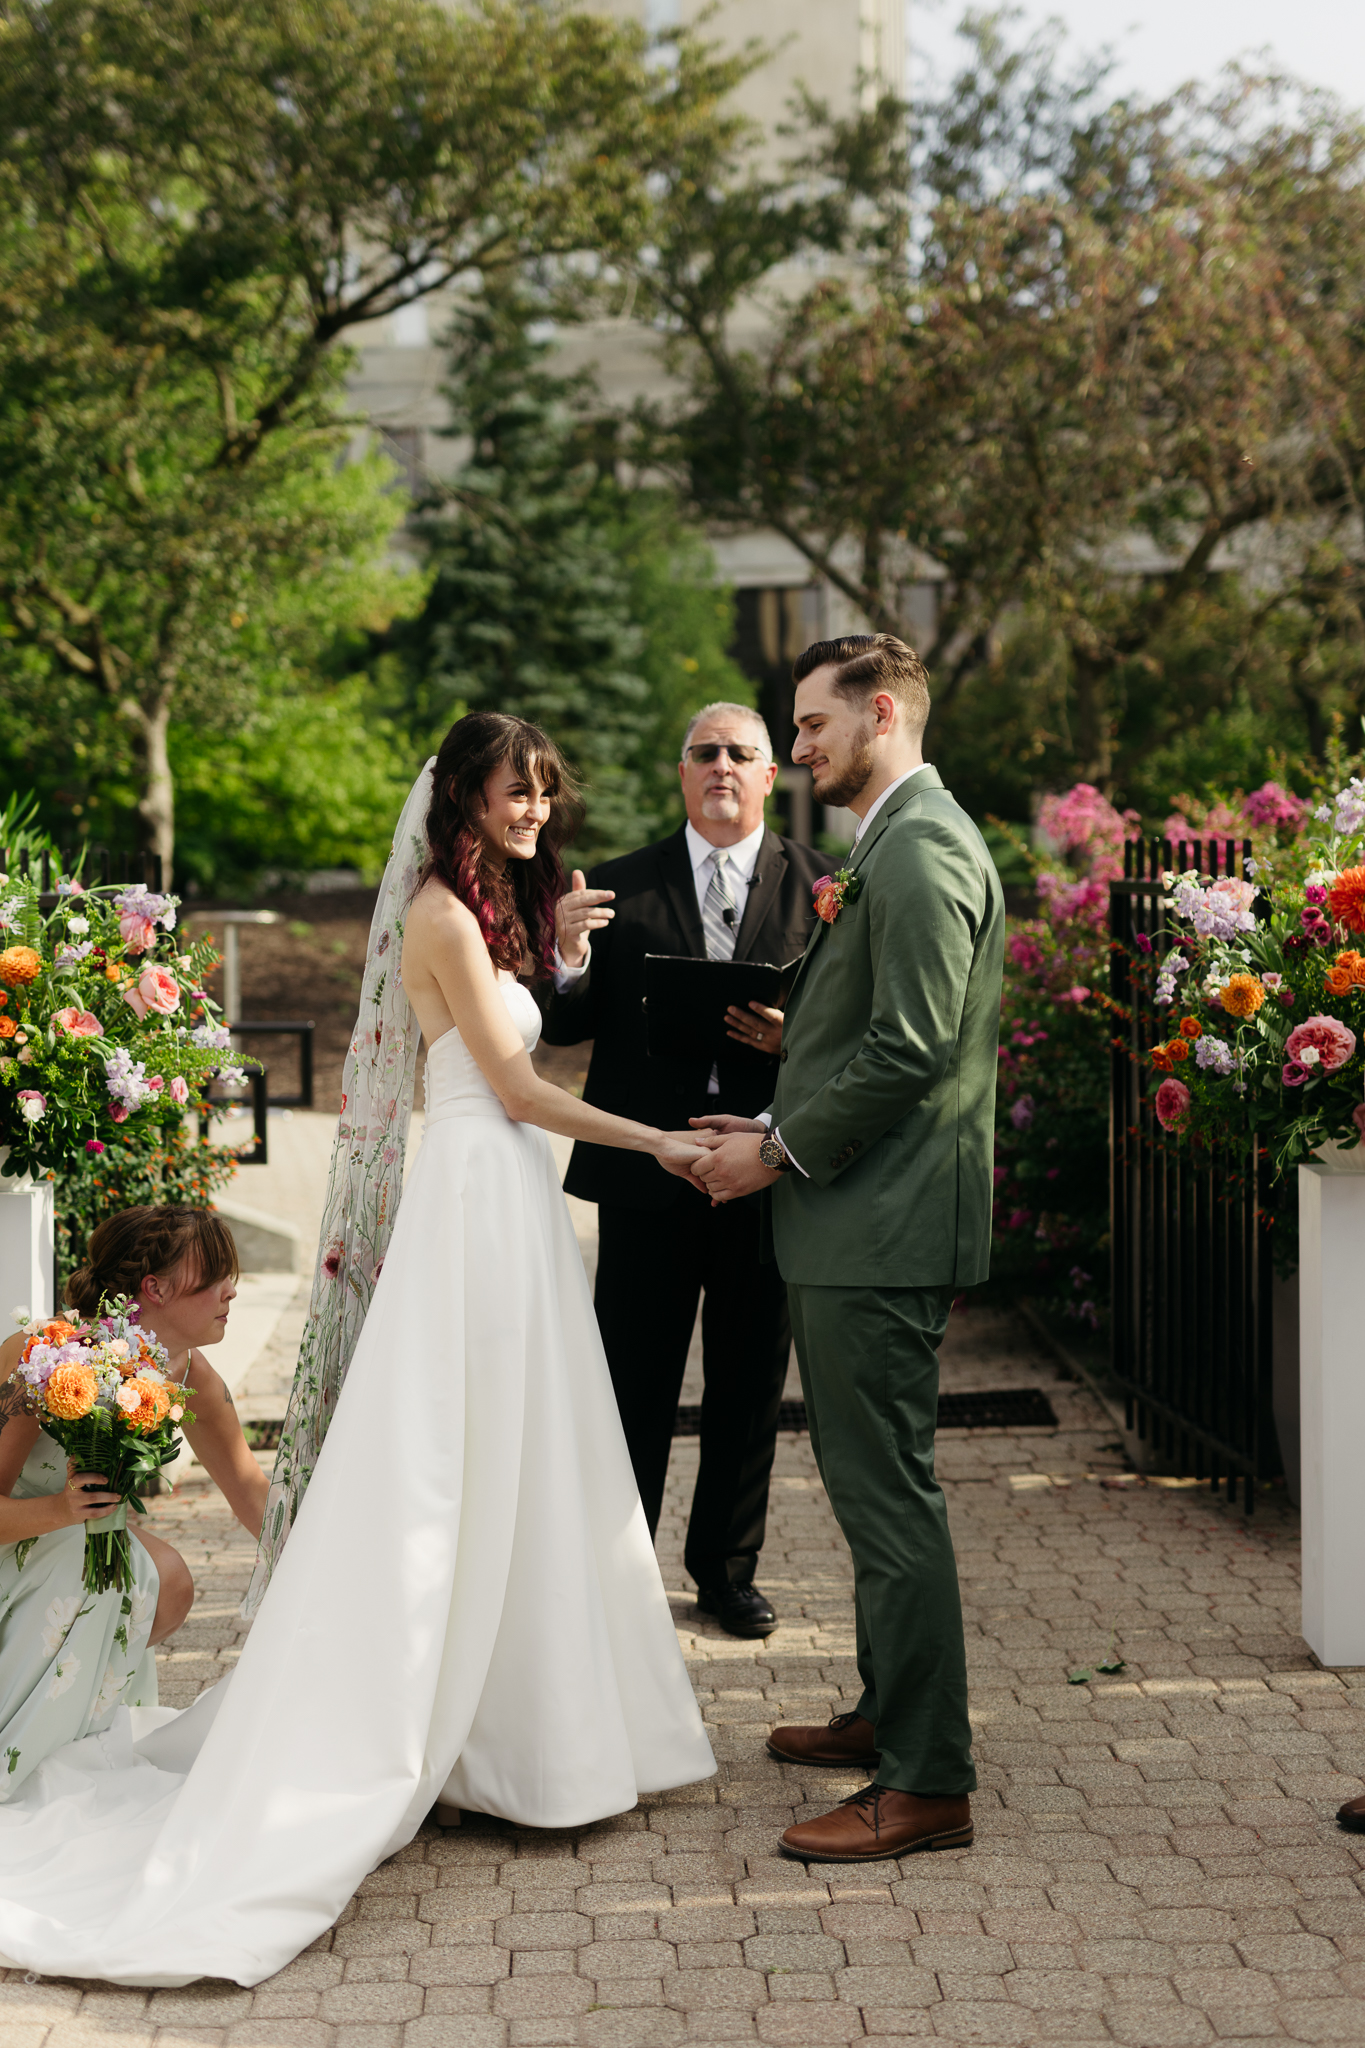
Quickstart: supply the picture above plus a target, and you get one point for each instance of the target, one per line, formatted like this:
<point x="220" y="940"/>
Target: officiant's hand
<point x="578" y="914"/>
<point x="726" y="1126"/>
<point x="732" y="1167"/>
<point x="758" y="1027"/>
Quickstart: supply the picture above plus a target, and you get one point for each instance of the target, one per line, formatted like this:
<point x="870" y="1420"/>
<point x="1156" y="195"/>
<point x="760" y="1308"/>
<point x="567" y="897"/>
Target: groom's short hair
<point x="868" y="662"/>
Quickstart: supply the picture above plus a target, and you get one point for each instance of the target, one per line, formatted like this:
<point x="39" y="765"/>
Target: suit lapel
<point x="769" y="869"/>
<point x="922" y="779"/>
<point x="675" y="868"/>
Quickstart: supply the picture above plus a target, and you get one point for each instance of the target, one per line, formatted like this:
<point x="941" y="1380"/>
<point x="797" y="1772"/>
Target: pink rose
<point x="156" y="990"/>
<point x="32" y="1104"/>
<point x="156" y="1082"/>
<point x="180" y="1090"/>
<point x="118" y="1113"/>
<point x="1237" y="894"/>
<point x="1172" y="1104"/>
<point x="138" y="933"/>
<point x="77" y="1023"/>
<point x="1333" y="1041"/>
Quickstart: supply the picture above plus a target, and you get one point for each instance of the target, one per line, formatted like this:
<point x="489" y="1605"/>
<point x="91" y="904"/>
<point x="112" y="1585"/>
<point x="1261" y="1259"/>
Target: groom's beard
<point x="850" y="780"/>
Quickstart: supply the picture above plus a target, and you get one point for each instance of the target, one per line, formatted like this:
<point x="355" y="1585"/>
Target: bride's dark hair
<point x="515" y="909"/>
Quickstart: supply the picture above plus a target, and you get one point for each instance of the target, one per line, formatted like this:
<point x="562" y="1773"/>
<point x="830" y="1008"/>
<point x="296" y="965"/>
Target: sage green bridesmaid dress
<point x="68" y="1657"/>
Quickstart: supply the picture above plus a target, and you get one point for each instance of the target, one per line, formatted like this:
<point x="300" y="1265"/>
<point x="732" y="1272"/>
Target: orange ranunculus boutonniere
<point x="832" y="892"/>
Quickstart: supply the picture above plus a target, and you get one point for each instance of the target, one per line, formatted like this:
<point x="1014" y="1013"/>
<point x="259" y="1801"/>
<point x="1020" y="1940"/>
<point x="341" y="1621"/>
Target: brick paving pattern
<point x="1155" y="1864"/>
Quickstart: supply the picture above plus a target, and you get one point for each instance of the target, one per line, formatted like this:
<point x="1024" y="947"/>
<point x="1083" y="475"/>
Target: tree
<point x="1101" y="364"/>
<point x="556" y="592"/>
<point x="200" y="203"/>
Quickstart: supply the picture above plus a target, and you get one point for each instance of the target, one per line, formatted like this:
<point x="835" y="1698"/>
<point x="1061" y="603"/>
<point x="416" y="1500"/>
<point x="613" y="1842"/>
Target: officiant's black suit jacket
<point x="656" y="912"/>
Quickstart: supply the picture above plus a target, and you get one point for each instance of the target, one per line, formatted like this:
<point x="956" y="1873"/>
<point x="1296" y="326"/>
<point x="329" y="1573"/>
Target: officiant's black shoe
<point x="740" y="1610"/>
<point x="1351" y="1816"/>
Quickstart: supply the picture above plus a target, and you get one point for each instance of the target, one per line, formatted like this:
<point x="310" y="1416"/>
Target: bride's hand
<point x="578" y="914"/>
<point x="678" y="1152"/>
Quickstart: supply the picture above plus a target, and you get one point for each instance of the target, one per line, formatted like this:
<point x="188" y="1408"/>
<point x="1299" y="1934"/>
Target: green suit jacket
<point x="886" y="1091"/>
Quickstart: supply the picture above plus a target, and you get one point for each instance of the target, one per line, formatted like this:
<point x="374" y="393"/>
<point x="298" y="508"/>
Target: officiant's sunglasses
<point x="741" y="756"/>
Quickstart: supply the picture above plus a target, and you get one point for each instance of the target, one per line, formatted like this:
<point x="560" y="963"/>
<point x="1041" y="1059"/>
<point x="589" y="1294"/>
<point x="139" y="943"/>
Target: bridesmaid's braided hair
<point x="168" y="1240"/>
<point x="515" y="909"/>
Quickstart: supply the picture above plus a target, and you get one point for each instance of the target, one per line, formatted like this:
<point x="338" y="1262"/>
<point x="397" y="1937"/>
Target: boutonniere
<point x="832" y="892"/>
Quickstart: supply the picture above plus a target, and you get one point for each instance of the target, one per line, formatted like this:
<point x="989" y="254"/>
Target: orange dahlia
<point x="1190" y="1027"/>
<point x="1354" y="965"/>
<point x="1346" y="898"/>
<point x="1161" y="1059"/>
<point x="1242" y="995"/>
<point x="19" y="965"/>
<point x="1178" y="1049"/>
<point x="1338" y="981"/>
<point x="154" y="1406"/>
<point x="70" y="1392"/>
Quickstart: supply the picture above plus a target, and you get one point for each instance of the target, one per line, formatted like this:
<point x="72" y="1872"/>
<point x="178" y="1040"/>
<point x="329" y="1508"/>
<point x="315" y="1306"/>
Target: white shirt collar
<point x="890" y="790"/>
<point x="743" y="854"/>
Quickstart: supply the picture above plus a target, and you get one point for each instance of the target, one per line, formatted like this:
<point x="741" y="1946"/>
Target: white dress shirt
<point x="740" y="870"/>
<point x="873" y="809"/>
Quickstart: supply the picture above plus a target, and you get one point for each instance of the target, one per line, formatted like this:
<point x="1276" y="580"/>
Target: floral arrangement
<point x="1267" y="994"/>
<point x="1051" y="1203"/>
<point x="832" y="892"/>
<point x="104" y="1020"/>
<point x="102" y="1391"/>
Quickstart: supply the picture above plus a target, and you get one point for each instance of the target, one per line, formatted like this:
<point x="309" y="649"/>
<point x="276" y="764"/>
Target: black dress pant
<point x="650" y="1269"/>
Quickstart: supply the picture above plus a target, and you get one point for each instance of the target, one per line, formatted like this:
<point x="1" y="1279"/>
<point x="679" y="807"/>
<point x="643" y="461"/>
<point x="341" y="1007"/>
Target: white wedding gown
<point x="468" y="1603"/>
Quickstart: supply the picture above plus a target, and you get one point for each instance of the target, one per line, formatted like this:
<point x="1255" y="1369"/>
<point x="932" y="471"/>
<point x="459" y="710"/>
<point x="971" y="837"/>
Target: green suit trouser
<point x="869" y="1370"/>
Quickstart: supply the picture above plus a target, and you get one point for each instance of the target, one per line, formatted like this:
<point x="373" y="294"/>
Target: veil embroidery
<point x="363" y="1189"/>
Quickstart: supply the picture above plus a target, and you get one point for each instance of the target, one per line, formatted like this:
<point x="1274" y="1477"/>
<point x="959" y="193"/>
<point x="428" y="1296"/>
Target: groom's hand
<point x="732" y="1166"/>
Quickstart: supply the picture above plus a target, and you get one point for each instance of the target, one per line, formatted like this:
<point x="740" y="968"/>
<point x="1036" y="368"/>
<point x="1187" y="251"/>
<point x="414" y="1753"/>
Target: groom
<point x="878" y="1150"/>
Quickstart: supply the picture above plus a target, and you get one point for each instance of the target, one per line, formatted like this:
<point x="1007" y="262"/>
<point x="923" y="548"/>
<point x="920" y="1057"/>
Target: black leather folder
<point x="686" y="1001"/>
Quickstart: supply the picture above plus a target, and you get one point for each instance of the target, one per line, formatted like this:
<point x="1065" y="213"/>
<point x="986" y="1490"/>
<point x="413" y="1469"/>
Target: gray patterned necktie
<point x="720" y="931"/>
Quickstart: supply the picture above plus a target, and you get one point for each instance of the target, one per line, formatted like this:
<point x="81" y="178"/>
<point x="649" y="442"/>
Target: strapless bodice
<point x="455" y="1086"/>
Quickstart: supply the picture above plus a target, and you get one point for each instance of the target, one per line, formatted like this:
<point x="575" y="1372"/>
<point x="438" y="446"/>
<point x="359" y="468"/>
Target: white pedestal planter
<point x="25" y="1248"/>
<point x="1332" y="1411"/>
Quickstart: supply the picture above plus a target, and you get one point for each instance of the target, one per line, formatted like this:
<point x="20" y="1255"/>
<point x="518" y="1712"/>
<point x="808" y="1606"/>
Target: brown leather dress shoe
<point x="848" y="1740"/>
<point x="879" y="1822"/>
<point x="1351" y="1816"/>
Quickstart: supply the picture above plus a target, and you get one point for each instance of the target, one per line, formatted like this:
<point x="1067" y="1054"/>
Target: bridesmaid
<point x="68" y="1657"/>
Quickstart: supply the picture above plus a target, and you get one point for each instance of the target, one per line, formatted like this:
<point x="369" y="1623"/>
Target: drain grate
<point x="1003" y="1408"/>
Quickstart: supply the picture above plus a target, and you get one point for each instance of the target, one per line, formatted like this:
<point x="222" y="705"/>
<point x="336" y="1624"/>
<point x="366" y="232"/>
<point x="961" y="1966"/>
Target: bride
<point x="458" y="1598"/>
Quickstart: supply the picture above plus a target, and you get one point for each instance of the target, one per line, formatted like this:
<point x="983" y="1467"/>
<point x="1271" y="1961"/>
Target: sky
<point x="1159" y="44"/>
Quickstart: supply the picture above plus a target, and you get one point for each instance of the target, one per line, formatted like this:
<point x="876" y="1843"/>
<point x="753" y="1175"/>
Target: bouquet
<point x="101" y="1390"/>
<point x="104" y="1020"/>
<point x="1266" y="988"/>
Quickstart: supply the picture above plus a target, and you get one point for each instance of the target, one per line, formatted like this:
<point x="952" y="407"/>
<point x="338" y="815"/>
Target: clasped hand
<point x="729" y="1165"/>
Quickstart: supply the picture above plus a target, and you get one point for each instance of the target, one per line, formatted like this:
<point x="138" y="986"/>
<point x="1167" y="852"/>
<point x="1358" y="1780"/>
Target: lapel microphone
<point x="727" y="917"/>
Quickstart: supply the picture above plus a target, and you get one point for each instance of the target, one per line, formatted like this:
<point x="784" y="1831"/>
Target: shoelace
<point x="838" y="1722"/>
<point x="869" y="1796"/>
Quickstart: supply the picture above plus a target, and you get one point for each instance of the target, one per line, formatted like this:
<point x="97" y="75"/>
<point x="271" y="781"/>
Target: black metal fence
<point x="95" y="864"/>
<point x="1190" y="1245"/>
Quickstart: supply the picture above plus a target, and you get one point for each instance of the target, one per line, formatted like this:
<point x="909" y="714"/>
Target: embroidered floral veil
<point x="363" y="1190"/>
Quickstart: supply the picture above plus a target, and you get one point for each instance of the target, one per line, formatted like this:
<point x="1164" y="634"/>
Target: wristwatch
<point x="774" y="1154"/>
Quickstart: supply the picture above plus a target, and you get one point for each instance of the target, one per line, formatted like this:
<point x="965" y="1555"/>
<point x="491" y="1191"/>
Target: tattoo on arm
<point x="227" y="1394"/>
<point x="12" y="1406"/>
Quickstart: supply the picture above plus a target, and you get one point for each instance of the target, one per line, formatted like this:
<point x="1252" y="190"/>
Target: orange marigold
<point x="1338" y="981"/>
<point x="1190" y="1027"/>
<point x="1346" y="898"/>
<point x="1242" y="995"/>
<point x="20" y="964"/>
<point x="71" y="1391"/>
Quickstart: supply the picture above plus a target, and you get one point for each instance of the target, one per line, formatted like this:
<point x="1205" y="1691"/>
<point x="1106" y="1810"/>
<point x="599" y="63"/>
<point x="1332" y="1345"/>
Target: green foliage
<point x="194" y="210"/>
<point x="145" y="1162"/>
<point x="314" y="778"/>
<point x="1111" y="386"/>
<point x="555" y="592"/>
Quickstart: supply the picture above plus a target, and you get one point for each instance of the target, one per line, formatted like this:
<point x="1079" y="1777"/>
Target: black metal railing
<point x="302" y="1030"/>
<point x="1190" y="1247"/>
<point x="96" y="865"/>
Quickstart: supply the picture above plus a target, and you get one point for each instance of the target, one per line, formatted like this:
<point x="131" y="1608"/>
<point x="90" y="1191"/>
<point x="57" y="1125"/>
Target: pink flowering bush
<point x="1051" y="1210"/>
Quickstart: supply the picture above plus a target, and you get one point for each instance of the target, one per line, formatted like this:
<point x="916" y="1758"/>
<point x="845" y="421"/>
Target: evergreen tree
<point x="557" y="593"/>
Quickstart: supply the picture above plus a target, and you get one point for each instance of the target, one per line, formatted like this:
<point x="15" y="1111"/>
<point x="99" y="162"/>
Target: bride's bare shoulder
<point x="437" y="918"/>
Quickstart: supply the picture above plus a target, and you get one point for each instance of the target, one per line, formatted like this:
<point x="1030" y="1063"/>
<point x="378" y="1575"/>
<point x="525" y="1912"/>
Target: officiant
<point x="723" y="887"/>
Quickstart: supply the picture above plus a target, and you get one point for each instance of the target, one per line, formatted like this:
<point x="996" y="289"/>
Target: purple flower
<point x="1142" y="942"/>
<point x="1212" y="1054"/>
<point x="1293" y="1075"/>
<point x="1315" y="892"/>
<point x="1021" y="1116"/>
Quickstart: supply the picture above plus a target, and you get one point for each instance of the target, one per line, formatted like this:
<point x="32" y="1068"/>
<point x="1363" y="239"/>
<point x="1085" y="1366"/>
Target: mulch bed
<point x="309" y="966"/>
